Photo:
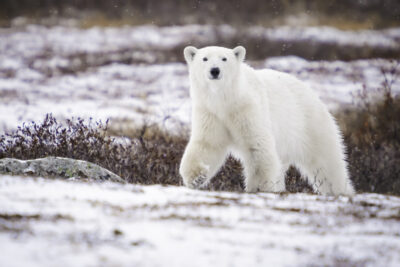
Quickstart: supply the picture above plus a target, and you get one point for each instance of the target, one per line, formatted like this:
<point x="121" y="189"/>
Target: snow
<point x="385" y="38"/>
<point x="35" y="39"/>
<point x="74" y="72"/>
<point x="160" y="92"/>
<point x="338" y="82"/>
<point x="67" y="223"/>
<point x="154" y="92"/>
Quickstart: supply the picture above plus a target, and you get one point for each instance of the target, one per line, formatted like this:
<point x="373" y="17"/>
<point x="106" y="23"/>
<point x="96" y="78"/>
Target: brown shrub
<point x="372" y="134"/>
<point x="148" y="156"/>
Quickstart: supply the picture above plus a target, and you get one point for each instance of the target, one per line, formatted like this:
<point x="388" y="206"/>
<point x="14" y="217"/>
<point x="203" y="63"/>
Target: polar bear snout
<point x="215" y="73"/>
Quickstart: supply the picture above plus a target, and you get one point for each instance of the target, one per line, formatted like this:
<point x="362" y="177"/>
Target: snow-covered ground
<point x="122" y="73"/>
<point x="63" y="223"/>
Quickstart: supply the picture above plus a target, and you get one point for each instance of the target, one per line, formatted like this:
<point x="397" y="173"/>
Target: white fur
<point x="268" y="119"/>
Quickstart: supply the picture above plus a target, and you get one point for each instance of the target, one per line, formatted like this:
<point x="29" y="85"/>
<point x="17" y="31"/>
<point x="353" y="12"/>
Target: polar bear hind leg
<point x="324" y="162"/>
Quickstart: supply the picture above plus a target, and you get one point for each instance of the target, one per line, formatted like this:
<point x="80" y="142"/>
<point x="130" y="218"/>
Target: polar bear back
<point x="295" y="111"/>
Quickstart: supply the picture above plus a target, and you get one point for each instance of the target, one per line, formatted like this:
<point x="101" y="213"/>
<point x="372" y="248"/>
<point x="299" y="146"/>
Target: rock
<point x="58" y="167"/>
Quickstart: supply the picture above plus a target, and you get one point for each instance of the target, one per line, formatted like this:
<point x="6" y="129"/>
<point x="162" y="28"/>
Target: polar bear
<point x="268" y="119"/>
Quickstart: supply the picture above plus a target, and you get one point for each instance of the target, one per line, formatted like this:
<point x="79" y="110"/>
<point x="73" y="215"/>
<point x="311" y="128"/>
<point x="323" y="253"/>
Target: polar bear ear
<point x="189" y="52"/>
<point x="240" y="53"/>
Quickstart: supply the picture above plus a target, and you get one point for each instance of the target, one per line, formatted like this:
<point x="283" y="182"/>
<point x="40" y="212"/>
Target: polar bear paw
<point x="194" y="174"/>
<point x="198" y="182"/>
<point x="267" y="186"/>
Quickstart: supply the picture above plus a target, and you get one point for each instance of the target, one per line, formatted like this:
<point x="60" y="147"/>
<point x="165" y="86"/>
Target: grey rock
<point x="58" y="167"/>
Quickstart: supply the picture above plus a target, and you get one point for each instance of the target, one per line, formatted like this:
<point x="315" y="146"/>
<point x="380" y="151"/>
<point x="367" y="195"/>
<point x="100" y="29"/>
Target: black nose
<point x="214" y="72"/>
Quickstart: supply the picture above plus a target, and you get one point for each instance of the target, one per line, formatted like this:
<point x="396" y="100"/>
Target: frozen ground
<point x="127" y="73"/>
<point x="63" y="223"/>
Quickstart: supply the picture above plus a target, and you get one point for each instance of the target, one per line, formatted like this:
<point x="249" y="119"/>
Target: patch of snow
<point x="153" y="93"/>
<point x="338" y="82"/>
<point x="53" y="222"/>
<point x="384" y="38"/>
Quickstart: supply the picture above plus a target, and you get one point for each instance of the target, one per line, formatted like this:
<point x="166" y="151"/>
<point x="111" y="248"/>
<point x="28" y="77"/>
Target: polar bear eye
<point x="224" y="59"/>
<point x="205" y="59"/>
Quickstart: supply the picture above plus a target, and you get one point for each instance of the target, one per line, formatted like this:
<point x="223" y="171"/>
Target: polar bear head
<point x="214" y="66"/>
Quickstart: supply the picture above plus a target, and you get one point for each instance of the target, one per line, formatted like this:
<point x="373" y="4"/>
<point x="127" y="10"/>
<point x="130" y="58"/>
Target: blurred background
<point x="247" y="21"/>
<point x="344" y="14"/>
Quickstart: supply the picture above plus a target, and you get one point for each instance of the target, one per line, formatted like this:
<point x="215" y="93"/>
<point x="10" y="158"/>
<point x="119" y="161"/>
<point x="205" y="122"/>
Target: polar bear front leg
<point x="206" y="150"/>
<point x="262" y="166"/>
<point x="199" y="163"/>
<point x="263" y="169"/>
